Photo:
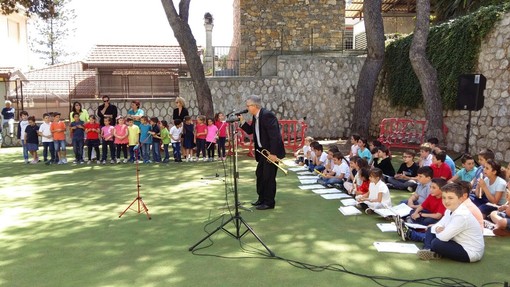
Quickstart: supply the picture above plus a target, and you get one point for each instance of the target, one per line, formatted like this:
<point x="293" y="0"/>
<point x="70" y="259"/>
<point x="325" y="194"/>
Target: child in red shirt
<point x="364" y="173"/>
<point x="92" y="129"/>
<point x="200" y="135"/>
<point x="438" y="166"/>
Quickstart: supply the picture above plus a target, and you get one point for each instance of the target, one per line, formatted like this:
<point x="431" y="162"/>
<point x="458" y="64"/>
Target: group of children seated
<point x="144" y="139"/>
<point x="449" y="208"/>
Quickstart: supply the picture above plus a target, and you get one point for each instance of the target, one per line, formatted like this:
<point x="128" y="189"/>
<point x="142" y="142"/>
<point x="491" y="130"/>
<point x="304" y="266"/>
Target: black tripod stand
<point x="141" y="205"/>
<point x="236" y="218"/>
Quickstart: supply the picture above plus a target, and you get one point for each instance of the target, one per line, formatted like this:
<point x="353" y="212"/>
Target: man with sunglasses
<point x="107" y="110"/>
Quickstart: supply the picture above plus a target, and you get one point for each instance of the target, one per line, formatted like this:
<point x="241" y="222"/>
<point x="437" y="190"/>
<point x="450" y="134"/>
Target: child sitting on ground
<point x="364" y="175"/>
<point x="422" y="191"/>
<point x="467" y="173"/>
<point x="329" y="164"/>
<point x="428" y="213"/>
<point x="363" y="150"/>
<point x="406" y="174"/>
<point x="303" y="154"/>
<point x="357" y="164"/>
<point x="440" y="168"/>
<point x="378" y="193"/>
<point x="339" y="173"/>
<point x="501" y="217"/>
<point x="354" y="146"/>
<point x="383" y="161"/>
<point x="457" y="235"/>
<point x="319" y="160"/>
<point x="425" y="155"/>
<point x="491" y="190"/>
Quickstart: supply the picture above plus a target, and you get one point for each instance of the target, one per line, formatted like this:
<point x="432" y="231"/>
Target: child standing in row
<point x="21" y="133"/>
<point x="145" y="139"/>
<point x="210" y="139"/>
<point x="78" y="136"/>
<point x="58" y="129"/>
<point x="92" y="131"/>
<point x="47" y="139"/>
<point x="121" y="141"/>
<point x="164" y="135"/>
<point x="32" y="139"/>
<point x="133" y="140"/>
<point x="156" y="141"/>
<point x="189" y="137"/>
<point x="107" y="133"/>
<point x="222" y="126"/>
<point x="175" y="134"/>
<point x="200" y="136"/>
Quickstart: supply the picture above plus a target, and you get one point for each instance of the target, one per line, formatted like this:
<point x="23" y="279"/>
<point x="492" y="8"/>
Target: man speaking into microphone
<point x="266" y="135"/>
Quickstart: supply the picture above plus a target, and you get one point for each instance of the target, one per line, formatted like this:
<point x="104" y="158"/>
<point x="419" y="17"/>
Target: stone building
<point x="264" y="29"/>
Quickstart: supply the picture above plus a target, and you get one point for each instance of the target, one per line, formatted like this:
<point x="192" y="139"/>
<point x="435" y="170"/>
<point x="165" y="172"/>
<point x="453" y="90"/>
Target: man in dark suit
<point x="266" y="135"/>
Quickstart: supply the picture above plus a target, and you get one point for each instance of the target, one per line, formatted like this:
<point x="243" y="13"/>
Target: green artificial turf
<point x="60" y="226"/>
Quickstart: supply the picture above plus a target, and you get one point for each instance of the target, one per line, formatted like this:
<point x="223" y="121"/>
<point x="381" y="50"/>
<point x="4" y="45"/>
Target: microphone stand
<point x="236" y="218"/>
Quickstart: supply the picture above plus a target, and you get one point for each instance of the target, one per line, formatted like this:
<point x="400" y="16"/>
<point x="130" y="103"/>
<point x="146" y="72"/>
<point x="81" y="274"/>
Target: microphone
<point x="241" y="112"/>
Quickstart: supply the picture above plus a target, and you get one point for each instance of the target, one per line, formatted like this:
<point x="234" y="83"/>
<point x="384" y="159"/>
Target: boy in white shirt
<point x="175" y="139"/>
<point x="457" y="235"/>
<point x="319" y="159"/>
<point x="47" y="139"/>
<point x="378" y="195"/>
<point x="425" y="155"/>
<point x="306" y="150"/>
<point x="340" y="170"/>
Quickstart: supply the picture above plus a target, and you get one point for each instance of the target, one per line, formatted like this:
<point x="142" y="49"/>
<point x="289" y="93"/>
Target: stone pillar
<point x="208" y="57"/>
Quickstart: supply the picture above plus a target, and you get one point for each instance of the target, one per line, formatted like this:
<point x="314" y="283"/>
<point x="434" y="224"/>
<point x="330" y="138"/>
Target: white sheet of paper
<point x="308" y="181"/>
<point x="348" y="201"/>
<point x="304" y="173"/>
<point x="332" y="196"/>
<point x="298" y="168"/>
<point x="396" y="247"/>
<point x="307" y="177"/>
<point x="488" y="232"/>
<point x="326" y="191"/>
<point x="349" y="210"/>
<point x="311" y="186"/>
<point x="401" y="209"/>
<point x="387" y="227"/>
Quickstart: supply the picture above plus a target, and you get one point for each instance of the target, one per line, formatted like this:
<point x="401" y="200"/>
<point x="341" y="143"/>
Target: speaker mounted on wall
<point x="470" y="92"/>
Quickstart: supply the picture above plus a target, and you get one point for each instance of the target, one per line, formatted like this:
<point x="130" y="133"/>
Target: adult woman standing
<point x="180" y="111"/>
<point x="135" y="112"/>
<point x="77" y="108"/>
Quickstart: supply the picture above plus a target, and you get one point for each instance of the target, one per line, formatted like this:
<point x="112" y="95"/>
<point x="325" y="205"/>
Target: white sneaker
<point x="64" y="160"/>
<point x="103" y="162"/>
<point x="125" y="160"/>
<point x="98" y="162"/>
<point x="112" y="161"/>
<point x="89" y="162"/>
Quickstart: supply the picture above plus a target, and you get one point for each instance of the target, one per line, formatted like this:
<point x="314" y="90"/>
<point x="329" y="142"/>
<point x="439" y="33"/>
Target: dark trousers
<point x="78" y="149"/>
<point x="49" y="145"/>
<point x="266" y="181"/>
<point x="165" y="150"/>
<point x="200" y="147"/>
<point x="449" y="249"/>
<point x="93" y="144"/>
<point x="108" y="145"/>
<point x="221" y="146"/>
<point x="210" y="149"/>
<point x="119" y="147"/>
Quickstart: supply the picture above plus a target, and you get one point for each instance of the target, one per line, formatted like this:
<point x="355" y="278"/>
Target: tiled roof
<point x="395" y="7"/>
<point x="135" y="56"/>
<point x="60" y="80"/>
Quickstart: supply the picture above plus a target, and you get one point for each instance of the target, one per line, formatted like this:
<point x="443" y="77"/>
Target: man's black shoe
<point x="255" y="203"/>
<point x="264" y="207"/>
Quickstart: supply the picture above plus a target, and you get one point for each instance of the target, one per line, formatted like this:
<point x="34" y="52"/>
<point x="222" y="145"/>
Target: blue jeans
<point x="146" y="151"/>
<point x="156" y="154"/>
<point x="133" y="153"/>
<point x="177" y="150"/>
<point x="326" y="181"/>
<point x="25" y="149"/>
<point x="78" y="149"/>
<point x="400" y="183"/>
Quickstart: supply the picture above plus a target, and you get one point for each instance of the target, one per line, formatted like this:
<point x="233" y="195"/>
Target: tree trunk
<point x="426" y="73"/>
<point x="371" y="68"/>
<point x="188" y="44"/>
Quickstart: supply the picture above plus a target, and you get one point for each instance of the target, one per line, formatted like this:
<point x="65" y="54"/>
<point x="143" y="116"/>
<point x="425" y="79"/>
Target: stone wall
<point x="490" y="125"/>
<point x="288" y="25"/>
<point x="318" y="88"/>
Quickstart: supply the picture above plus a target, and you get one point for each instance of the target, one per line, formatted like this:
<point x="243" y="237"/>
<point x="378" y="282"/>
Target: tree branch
<point x="184" y="10"/>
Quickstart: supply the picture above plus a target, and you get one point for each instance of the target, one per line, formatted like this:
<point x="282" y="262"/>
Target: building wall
<point x="288" y="25"/>
<point x="13" y="36"/>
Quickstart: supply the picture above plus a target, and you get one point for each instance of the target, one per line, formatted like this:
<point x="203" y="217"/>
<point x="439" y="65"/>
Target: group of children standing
<point x="454" y="206"/>
<point x="143" y="140"/>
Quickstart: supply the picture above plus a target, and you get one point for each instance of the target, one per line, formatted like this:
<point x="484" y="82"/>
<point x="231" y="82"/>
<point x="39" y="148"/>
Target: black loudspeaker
<point x="470" y="92"/>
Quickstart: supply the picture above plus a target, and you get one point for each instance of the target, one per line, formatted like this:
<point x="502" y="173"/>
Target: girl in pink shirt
<point x="108" y="141"/>
<point x="120" y="132"/>
<point x="210" y="139"/>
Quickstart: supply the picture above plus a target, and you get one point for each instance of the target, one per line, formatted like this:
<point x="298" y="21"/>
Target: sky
<point x="129" y="22"/>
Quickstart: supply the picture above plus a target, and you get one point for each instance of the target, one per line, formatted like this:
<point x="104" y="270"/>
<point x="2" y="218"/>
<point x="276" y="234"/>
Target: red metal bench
<point x="403" y="133"/>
